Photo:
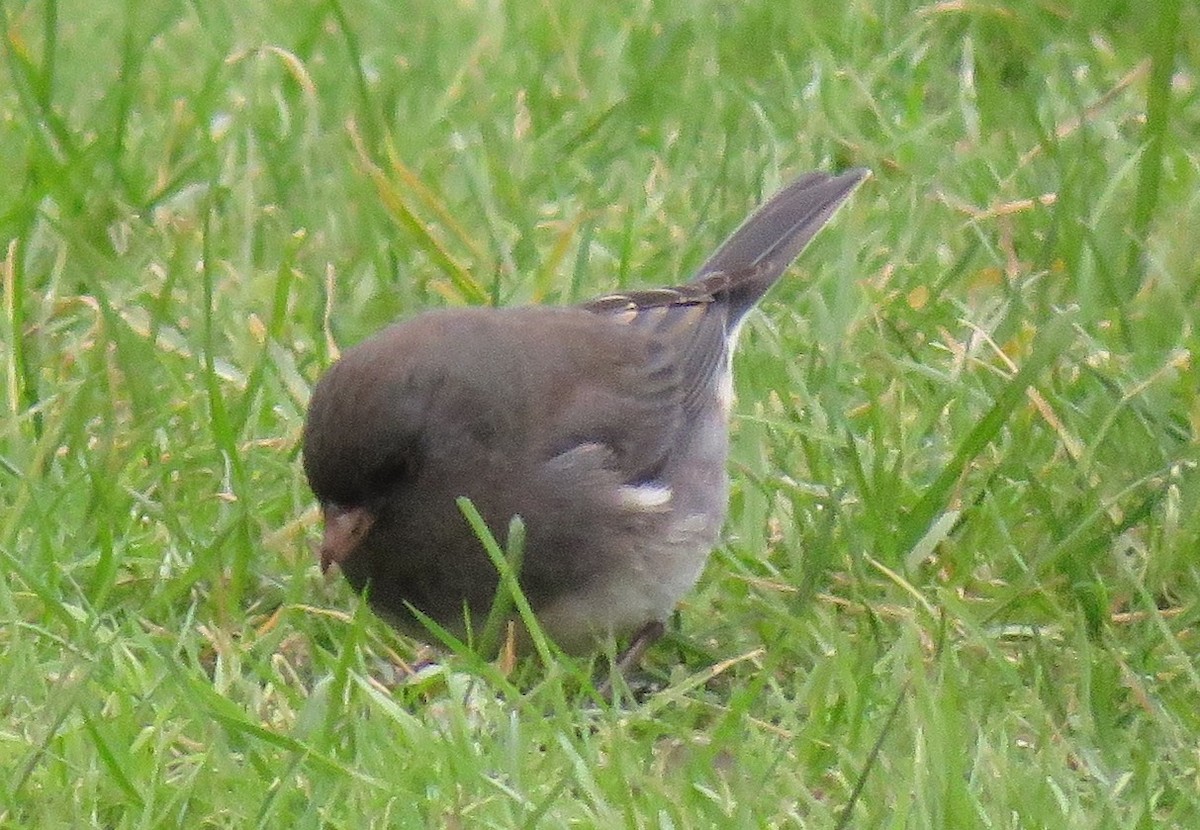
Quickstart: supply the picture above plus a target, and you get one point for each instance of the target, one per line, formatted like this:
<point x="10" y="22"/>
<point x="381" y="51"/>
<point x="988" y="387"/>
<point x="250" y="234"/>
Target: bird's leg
<point x="629" y="659"/>
<point x="645" y="637"/>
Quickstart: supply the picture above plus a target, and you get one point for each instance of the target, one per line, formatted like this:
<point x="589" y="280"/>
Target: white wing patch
<point x="645" y="498"/>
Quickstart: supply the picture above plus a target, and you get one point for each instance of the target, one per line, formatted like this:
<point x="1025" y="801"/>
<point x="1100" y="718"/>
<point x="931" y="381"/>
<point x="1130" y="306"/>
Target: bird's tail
<point x="754" y="256"/>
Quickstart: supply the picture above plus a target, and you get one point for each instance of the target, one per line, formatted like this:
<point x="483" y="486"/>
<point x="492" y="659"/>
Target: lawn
<point x="960" y="581"/>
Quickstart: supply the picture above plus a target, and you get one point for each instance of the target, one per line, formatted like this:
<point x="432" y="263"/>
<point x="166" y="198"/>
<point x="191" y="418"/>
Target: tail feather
<point x="759" y="251"/>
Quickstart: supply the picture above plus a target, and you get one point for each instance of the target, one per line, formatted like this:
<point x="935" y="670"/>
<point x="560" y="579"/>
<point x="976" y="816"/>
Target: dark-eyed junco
<point x="603" y="426"/>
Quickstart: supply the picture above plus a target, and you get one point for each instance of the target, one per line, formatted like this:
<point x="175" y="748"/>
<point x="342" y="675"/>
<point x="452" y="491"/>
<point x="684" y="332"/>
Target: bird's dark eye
<point x="390" y="474"/>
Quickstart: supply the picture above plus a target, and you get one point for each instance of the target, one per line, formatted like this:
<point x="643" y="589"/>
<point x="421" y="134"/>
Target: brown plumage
<point x="602" y="425"/>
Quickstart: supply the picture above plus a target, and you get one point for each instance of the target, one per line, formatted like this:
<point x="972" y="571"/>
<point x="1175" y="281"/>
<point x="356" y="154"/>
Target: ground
<point x="959" y="585"/>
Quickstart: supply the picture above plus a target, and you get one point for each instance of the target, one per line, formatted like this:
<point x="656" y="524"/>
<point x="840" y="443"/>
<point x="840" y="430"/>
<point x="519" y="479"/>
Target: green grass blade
<point x="1047" y="346"/>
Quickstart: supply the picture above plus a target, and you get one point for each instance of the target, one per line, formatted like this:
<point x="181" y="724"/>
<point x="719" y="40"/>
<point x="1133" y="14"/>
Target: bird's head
<point x="363" y="437"/>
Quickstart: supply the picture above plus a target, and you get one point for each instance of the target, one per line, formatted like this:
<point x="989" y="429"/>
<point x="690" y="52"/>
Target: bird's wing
<point x="688" y="329"/>
<point x="693" y="323"/>
<point x="680" y="338"/>
<point x="606" y="381"/>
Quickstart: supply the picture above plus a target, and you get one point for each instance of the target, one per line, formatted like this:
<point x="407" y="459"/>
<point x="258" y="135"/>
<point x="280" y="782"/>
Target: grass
<point x="965" y="457"/>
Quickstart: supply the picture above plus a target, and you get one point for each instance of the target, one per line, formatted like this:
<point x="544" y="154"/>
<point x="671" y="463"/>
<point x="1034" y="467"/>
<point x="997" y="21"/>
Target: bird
<point x="602" y="425"/>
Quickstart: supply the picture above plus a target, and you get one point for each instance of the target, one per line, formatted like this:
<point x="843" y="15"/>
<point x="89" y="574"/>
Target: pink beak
<point x="345" y="528"/>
